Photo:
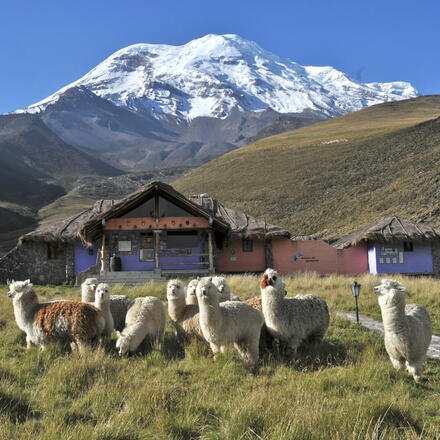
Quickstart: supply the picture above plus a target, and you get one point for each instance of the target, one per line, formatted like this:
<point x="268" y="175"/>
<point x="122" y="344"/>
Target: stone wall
<point x="30" y="260"/>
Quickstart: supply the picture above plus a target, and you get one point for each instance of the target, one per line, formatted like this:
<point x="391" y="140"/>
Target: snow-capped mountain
<point x="217" y="74"/>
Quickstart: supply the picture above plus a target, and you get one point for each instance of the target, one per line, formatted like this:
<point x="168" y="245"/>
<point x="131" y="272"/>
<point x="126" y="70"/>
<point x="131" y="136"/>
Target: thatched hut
<point x="397" y="245"/>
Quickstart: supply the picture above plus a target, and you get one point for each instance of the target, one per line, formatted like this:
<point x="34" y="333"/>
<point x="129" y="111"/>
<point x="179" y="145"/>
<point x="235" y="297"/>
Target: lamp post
<point x="355" y="290"/>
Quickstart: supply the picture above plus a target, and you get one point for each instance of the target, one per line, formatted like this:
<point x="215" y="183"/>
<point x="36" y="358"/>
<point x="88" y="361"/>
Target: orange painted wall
<point x="150" y="223"/>
<point x="319" y="257"/>
<point x="243" y="261"/>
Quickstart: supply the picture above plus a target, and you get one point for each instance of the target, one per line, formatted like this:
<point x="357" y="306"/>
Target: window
<point x="146" y="209"/>
<point x="168" y="209"/>
<point x="407" y="246"/>
<point x="182" y="239"/>
<point x="248" y="245"/>
<point x="55" y="251"/>
<point x="124" y="246"/>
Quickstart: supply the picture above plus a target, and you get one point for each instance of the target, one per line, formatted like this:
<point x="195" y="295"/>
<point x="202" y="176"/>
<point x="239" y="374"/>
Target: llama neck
<point x="393" y="317"/>
<point x="176" y="307"/>
<point x="104" y="305"/>
<point x="210" y="315"/>
<point x="271" y="300"/>
<point x="25" y="309"/>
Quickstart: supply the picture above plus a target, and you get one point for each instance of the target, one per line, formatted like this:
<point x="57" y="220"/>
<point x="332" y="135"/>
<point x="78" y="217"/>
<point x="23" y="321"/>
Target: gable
<point x="165" y="208"/>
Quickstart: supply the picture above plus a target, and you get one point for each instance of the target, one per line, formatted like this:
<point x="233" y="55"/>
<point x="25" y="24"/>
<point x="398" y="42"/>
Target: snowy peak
<point x="215" y="74"/>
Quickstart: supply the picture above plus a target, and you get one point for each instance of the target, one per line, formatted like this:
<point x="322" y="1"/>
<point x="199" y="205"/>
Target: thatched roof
<point x="389" y="229"/>
<point x="67" y="230"/>
<point x="88" y="223"/>
<point x="240" y="225"/>
<point x="92" y="226"/>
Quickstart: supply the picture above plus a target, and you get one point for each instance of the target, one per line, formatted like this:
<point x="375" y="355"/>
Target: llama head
<point x="271" y="278"/>
<point x="390" y="292"/>
<point x="102" y="292"/>
<point x="191" y="290"/>
<point x="19" y="289"/>
<point x="89" y="285"/>
<point x="387" y="286"/>
<point x="222" y="286"/>
<point x="206" y="291"/>
<point x="122" y="344"/>
<point x="175" y="289"/>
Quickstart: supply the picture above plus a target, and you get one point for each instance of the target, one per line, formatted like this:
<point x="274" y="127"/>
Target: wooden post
<point x="157" y="237"/>
<point x="268" y="252"/>
<point x="210" y="249"/>
<point x="103" y="265"/>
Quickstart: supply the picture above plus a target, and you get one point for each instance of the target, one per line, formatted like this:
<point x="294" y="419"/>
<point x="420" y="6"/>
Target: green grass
<point x="333" y="177"/>
<point x="345" y="389"/>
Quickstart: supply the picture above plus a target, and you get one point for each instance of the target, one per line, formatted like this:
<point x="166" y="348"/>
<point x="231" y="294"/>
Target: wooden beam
<point x="210" y="251"/>
<point x="157" y="237"/>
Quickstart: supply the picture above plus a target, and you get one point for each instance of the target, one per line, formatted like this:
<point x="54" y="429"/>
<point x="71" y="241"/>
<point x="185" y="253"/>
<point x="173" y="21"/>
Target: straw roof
<point x="92" y="226"/>
<point x="67" y="230"/>
<point x="88" y="223"/>
<point x="241" y="225"/>
<point x="389" y="229"/>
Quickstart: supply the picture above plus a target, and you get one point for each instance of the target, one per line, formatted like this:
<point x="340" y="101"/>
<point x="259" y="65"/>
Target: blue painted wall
<point x="83" y="260"/>
<point x="392" y="258"/>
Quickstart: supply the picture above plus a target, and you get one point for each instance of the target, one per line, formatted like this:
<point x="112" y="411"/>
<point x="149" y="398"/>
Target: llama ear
<point x="266" y="281"/>
<point x="198" y="278"/>
<point x="118" y="333"/>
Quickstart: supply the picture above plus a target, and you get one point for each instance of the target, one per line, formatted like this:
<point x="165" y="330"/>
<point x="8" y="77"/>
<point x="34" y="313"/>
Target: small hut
<point x="397" y="245"/>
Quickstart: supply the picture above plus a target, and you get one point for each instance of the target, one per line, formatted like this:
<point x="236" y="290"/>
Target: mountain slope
<point x="152" y="106"/>
<point x="337" y="175"/>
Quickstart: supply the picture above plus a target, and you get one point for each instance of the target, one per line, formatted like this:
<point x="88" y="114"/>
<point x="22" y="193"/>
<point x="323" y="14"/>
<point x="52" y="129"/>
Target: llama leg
<point x="29" y="343"/>
<point x="253" y="352"/>
<point x="293" y="344"/>
<point x="215" y="349"/>
<point x="241" y="348"/>
<point x="398" y="364"/>
<point x="416" y="368"/>
<point x="81" y="345"/>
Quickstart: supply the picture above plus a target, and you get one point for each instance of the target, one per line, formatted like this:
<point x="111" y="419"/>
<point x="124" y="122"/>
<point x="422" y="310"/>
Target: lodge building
<point x="157" y="233"/>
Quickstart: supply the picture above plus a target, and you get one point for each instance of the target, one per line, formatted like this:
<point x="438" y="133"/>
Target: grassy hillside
<point x="345" y="389"/>
<point x="332" y="177"/>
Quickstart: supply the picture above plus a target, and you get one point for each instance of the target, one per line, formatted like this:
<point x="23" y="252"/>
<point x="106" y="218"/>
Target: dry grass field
<point x="345" y="389"/>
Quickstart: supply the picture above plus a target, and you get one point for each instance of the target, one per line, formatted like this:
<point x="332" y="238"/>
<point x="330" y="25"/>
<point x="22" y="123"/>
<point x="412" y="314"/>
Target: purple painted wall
<point x="84" y="260"/>
<point x="392" y="258"/>
<point x="132" y="262"/>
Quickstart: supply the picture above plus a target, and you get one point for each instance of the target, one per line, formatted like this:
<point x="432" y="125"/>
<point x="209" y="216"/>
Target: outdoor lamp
<point x="356" y="290"/>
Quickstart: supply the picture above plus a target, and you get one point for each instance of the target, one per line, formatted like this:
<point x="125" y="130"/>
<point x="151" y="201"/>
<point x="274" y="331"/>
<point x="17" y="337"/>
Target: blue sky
<point x="47" y="44"/>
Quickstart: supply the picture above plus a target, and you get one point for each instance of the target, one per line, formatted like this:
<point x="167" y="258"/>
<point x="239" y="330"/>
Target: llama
<point x="184" y="317"/>
<point x="408" y="329"/>
<point x="191" y="297"/>
<point x="102" y="302"/>
<point x="65" y="321"/>
<point x="144" y="323"/>
<point x="119" y="306"/>
<point x="230" y="322"/>
<point x="88" y="288"/>
<point x="223" y="288"/>
<point x="304" y="318"/>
